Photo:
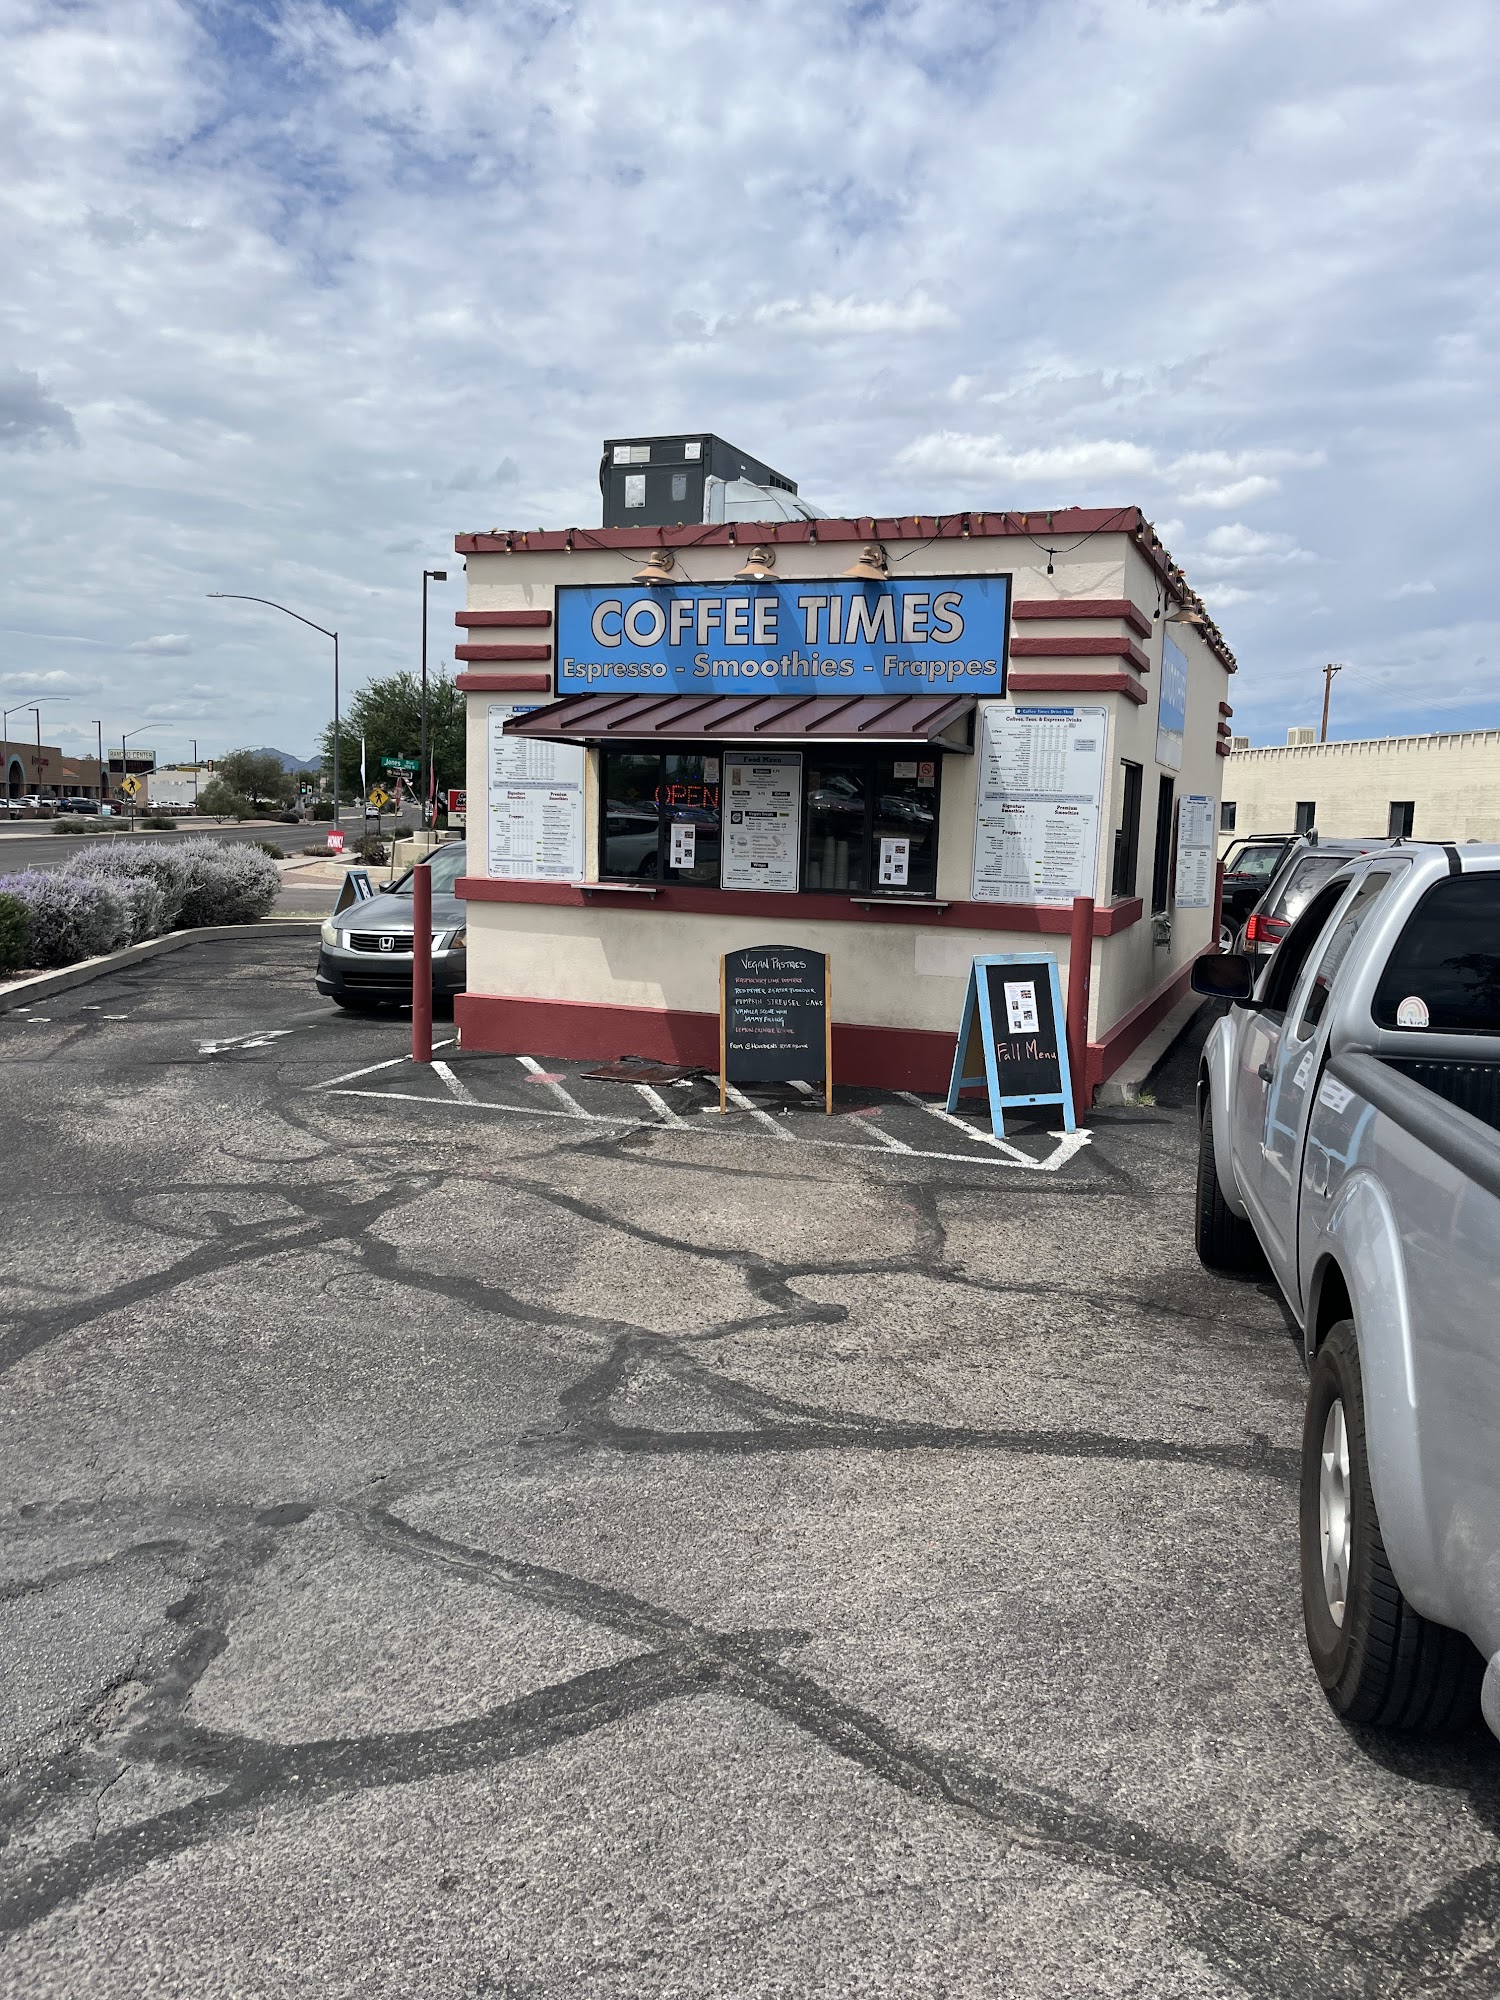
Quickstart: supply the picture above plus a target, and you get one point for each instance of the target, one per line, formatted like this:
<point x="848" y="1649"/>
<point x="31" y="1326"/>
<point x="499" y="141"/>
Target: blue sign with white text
<point x="926" y="635"/>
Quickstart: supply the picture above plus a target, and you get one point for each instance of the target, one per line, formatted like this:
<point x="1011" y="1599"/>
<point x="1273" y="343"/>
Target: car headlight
<point x="458" y="941"/>
<point x="331" y="933"/>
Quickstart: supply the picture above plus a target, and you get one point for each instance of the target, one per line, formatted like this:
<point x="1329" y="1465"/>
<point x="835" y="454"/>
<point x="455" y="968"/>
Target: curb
<point x="41" y="984"/>
<point x="1128" y="1081"/>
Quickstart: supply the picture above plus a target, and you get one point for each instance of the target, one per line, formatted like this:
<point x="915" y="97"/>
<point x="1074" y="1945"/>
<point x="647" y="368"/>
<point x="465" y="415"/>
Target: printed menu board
<point x="1041" y="785"/>
<point x="535" y="804"/>
<point x="761" y="806"/>
<point x="1194" y="887"/>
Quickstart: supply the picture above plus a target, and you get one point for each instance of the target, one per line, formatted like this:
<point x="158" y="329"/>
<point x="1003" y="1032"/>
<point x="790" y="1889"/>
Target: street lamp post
<point x="425" y="775"/>
<point x="239" y="597"/>
<point x="99" y="742"/>
<point x="194" y="741"/>
<point x="22" y="708"/>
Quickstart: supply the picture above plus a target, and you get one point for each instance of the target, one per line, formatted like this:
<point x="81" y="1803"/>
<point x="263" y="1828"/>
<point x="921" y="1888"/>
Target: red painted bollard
<point x="421" y="964"/>
<point x="1080" y="969"/>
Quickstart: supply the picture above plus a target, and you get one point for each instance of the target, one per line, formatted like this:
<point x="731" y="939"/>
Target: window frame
<point x="1228" y="813"/>
<point x="1305" y="816"/>
<point x="1163" y="842"/>
<point x="1126" y="861"/>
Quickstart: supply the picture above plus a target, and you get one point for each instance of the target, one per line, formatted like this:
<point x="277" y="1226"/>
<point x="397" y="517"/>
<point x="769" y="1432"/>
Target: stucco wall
<point x="1453" y="781"/>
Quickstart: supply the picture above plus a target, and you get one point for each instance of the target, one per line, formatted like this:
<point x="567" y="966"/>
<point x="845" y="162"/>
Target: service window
<point x="659" y="815"/>
<point x="870" y="821"/>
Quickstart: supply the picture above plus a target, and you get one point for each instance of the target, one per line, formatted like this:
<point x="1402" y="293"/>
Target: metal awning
<point x="678" y="718"/>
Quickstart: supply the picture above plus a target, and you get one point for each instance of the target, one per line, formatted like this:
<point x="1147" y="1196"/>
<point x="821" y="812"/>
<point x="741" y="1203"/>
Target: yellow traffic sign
<point x="130" y="788"/>
<point x="379" y="799"/>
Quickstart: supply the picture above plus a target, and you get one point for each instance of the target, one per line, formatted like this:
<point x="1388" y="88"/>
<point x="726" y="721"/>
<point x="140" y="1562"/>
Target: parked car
<point x="1248" y="867"/>
<point x="365" y="959"/>
<point x="86" y="806"/>
<point x="1306" y="863"/>
<point x="1349" y="1137"/>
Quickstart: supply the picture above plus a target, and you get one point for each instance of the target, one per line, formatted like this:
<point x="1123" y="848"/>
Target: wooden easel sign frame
<point x="768" y="1066"/>
<point x="1021" y="1033"/>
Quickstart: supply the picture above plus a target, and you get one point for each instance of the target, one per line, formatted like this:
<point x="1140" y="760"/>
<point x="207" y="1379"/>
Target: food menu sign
<point x="761" y="807"/>
<point x="1011" y="1041"/>
<point x="1041" y="789"/>
<point x="775" y="1018"/>
<point x="535" y="804"/>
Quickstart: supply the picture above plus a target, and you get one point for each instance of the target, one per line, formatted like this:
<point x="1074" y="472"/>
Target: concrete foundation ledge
<point x="21" y="992"/>
<point x="1124" y="1086"/>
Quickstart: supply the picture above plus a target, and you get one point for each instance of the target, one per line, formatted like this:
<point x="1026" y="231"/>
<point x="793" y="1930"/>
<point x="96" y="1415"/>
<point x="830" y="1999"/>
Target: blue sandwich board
<point x="1013" y="1041"/>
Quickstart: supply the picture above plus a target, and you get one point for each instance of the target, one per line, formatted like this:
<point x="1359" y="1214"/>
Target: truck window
<point x="1292" y="953"/>
<point x="1337" y="950"/>
<point x="1444" y="973"/>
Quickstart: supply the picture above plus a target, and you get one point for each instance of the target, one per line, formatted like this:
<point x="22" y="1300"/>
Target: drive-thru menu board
<point x="1041" y="786"/>
<point x="1012" y="1040"/>
<point x="1194" y="888"/>
<point x="535" y="804"/>
<point x="762" y="813"/>
<point x="775" y="1018"/>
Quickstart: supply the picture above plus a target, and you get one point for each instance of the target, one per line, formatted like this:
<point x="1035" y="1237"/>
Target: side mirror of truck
<point x="1225" y="975"/>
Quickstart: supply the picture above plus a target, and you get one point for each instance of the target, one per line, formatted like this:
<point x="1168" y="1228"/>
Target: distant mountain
<point x="289" y="762"/>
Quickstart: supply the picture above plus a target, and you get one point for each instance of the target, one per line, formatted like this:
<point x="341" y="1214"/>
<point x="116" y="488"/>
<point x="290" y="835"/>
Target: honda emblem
<point x="387" y="944"/>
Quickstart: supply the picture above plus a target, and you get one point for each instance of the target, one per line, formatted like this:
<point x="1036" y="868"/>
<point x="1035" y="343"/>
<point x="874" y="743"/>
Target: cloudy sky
<point x="294" y="292"/>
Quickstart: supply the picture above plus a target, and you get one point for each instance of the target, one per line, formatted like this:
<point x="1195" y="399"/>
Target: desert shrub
<point x="225" y="885"/>
<point x="158" y="823"/>
<point x="321" y="809"/>
<point x="371" y="849"/>
<point x="269" y="847"/>
<point x="124" y="863"/>
<point x="68" y="916"/>
<point x="13" y="927"/>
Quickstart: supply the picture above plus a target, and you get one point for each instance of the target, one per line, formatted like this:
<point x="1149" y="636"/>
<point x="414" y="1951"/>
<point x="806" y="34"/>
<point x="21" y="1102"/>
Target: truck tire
<point x="1225" y="1241"/>
<point x="1379" y="1661"/>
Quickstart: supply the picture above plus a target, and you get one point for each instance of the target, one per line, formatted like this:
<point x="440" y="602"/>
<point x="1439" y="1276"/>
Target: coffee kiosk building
<point x="902" y="742"/>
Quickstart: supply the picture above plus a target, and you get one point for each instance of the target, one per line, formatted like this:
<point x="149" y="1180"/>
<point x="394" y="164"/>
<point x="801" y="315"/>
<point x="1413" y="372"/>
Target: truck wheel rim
<point x="1333" y="1511"/>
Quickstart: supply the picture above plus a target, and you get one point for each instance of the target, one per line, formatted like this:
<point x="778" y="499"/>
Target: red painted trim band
<point x="1051" y="919"/>
<point x="1125" y="684"/>
<point x="1132" y="1028"/>
<point x="497" y="652"/>
<point x="503" y="683"/>
<point x="1092" y="647"/>
<point x="1225" y="709"/>
<point x="502" y="617"/>
<point x="863" y="528"/>
<point x="1222" y="748"/>
<point x="1052" y="608"/>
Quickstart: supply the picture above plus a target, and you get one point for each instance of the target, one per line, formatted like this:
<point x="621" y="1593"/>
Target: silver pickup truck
<point x="1349" y="1137"/>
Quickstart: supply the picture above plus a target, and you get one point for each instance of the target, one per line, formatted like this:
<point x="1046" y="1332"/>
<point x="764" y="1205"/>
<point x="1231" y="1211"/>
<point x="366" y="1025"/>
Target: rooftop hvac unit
<point x="1296" y="738"/>
<point x="1239" y="742"/>
<point x="656" y="482"/>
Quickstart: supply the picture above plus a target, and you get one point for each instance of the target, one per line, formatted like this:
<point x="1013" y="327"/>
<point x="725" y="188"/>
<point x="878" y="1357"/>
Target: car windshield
<point x="1258" y="862"/>
<point x="1309" y="874"/>
<point x="446" y="865"/>
<point x="1445" y="970"/>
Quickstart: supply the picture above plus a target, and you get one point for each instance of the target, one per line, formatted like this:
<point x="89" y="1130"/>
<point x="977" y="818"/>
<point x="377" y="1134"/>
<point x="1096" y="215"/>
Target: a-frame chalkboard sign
<point x="776" y="1018"/>
<point x="1012" y="1042"/>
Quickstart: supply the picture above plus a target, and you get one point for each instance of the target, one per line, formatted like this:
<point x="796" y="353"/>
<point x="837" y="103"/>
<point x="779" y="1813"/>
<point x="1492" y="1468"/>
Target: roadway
<point x="33" y="844"/>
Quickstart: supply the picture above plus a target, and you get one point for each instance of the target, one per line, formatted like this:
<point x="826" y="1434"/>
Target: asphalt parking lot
<point x="481" y="1531"/>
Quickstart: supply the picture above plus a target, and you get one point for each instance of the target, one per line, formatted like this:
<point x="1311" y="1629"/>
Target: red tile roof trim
<point x="683" y="718"/>
<point x="503" y="683"/>
<point x="502" y="617"/>
<point x="1083" y="607"/>
<point x="502" y="652"/>
<point x="1125" y="684"/>
<point x="1090" y="647"/>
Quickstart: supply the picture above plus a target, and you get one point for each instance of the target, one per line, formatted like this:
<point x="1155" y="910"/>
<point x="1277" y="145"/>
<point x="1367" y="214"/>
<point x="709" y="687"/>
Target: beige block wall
<point x="1453" y="781"/>
<point x="886" y="974"/>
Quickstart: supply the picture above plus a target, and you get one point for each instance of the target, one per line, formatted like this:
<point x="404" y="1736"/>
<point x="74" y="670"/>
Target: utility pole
<point x="424" y="776"/>
<point x="1328" y="673"/>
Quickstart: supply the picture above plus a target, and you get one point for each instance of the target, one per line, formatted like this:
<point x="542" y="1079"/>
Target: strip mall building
<point x="905" y="743"/>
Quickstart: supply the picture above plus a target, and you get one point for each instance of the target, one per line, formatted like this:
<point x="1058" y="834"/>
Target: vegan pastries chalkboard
<point x="775" y="1020"/>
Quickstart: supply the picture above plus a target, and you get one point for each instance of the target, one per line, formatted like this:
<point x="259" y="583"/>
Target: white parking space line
<point x="259" y="1040"/>
<point x="660" y="1105"/>
<point x="969" y="1131"/>
<point x="393" y="1062"/>
<point x="451" y="1083"/>
<point x="1068" y="1144"/>
<point x="549" y="1082"/>
<point x="738" y="1097"/>
<point x="872" y="1126"/>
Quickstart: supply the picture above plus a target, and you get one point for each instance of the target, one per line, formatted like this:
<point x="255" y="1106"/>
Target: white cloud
<point x="293" y="294"/>
<point x="1422" y="589"/>
<point x="165" y="645"/>
<point x="823" y="316"/>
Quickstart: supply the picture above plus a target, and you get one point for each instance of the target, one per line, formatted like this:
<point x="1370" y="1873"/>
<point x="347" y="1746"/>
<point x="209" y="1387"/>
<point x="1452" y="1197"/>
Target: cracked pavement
<point x="519" y="1556"/>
